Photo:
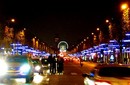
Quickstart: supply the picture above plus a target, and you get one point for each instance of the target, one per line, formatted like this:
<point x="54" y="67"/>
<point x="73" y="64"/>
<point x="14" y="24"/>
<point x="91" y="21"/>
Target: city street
<point x="72" y="76"/>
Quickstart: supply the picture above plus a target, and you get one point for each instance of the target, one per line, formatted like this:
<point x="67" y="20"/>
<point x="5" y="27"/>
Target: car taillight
<point x="102" y="82"/>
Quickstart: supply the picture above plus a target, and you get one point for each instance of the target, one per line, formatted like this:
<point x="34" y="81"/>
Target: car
<point x="17" y="66"/>
<point x="38" y="68"/>
<point x="45" y="65"/>
<point x="108" y="74"/>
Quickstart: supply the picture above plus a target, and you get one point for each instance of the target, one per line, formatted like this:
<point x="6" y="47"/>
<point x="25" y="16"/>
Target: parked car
<point x="17" y="66"/>
<point x="108" y="74"/>
<point x="37" y="65"/>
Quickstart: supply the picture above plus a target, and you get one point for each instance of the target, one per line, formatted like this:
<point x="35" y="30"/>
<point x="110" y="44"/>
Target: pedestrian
<point x="50" y="61"/>
<point x="60" y="65"/>
<point x="53" y="65"/>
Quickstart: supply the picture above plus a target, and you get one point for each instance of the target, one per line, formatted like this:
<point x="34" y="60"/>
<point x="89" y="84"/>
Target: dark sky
<point x="72" y="21"/>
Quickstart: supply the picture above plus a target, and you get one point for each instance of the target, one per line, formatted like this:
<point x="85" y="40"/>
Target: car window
<point x="114" y="72"/>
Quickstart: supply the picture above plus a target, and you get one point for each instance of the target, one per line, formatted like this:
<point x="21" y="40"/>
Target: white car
<point x="17" y="66"/>
<point x="108" y="74"/>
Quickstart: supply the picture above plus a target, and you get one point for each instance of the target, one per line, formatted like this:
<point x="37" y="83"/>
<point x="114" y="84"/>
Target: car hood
<point x="15" y="64"/>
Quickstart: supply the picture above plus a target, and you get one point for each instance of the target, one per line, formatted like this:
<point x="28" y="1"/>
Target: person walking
<point x="53" y="65"/>
<point x="60" y="65"/>
<point x="50" y="60"/>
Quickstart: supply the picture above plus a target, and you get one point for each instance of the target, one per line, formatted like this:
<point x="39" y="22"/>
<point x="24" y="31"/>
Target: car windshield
<point x="114" y="72"/>
<point x="16" y="59"/>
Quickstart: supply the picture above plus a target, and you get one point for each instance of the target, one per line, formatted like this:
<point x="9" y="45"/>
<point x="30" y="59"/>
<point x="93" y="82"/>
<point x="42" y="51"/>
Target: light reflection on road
<point x="38" y="80"/>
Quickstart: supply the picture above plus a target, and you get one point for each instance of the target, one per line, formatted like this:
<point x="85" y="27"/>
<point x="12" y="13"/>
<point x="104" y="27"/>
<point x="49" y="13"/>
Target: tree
<point x="20" y="37"/>
<point x="101" y="38"/>
<point x="1" y="34"/>
<point x="8" y="36"/>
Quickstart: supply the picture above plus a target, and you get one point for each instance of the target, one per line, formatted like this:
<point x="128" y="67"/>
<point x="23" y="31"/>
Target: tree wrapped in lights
<point x="8" y="36"/>
<point x="101" y="38"/>
<point x="125" y="17"/>
<point x="20" y="37"/>
<point x="112" y="29"/>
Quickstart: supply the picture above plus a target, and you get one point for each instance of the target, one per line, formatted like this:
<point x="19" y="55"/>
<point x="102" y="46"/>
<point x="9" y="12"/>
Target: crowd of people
<point x="56" y="64"/>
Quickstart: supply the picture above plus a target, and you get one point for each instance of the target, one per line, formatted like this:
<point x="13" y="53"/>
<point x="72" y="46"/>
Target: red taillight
<point x="102" y="82"/>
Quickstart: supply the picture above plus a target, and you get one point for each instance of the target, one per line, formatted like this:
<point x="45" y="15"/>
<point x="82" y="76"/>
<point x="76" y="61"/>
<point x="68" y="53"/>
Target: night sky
<point x="71" y="21"/>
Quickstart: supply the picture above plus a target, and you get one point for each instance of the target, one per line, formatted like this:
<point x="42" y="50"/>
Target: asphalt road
<point x="72" y="75"/>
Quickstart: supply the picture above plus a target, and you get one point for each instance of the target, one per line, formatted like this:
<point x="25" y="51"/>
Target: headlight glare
<point x="3" y="66"/>
<point x="37" y="67"/>
<point x="25" y="68"/>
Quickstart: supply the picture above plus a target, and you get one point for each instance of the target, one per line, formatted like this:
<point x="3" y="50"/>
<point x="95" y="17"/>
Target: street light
<point x="92" y="33"/>
<point x="12" y="20"/>
<point x="98" y="33"/>
<point x="93" y="38"/>
<point x="98" y="29"/>
<point x="87" y="37"/>
<point x="107" y="20"/>
<point x="124" y="6"/>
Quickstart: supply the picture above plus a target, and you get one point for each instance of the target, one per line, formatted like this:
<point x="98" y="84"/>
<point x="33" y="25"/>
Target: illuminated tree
<point x="125" y="17"/>
<point x="20" y="37"/>
<point x="1" y="34"/>
<point x="95" y="39"/>
<point x="101" y="38"/>
<point x="8" y="36"/>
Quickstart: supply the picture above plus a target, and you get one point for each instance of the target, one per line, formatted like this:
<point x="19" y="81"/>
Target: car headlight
<point x="25" y="68"/>
<point x="3" y="66"/>
<point x="37" y="68"/>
